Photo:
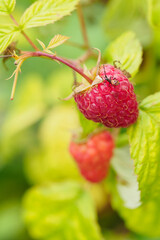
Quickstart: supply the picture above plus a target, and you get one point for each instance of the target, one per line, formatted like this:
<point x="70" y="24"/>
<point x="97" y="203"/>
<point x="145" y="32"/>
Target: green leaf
<point x="10" y="218"/>
<point x="7" y="6"/>
<point x="127" y="185"/>
<point x="53" y="162"/>
<point x="126" y="49"/>
<point x="42" y="44"/>
<point x="88" y="126"/>
<point x="123" y="15"/>
<point x="25" y="113"/>
<point x="154" y="12"/>
<point x="143" y="220"/>
<point x="144" y="138"/>
<point x="60" y="211"/>
<point x="44" y="12"/>
<point x="22" y="115"/>
<point x="7" y="35"/>
<point x="151" y="105"/>
<point x="56" y="41"/>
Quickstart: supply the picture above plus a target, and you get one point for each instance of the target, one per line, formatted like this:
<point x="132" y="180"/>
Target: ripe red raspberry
<point x="93" y="156"/>
<point x="111" y="102"/>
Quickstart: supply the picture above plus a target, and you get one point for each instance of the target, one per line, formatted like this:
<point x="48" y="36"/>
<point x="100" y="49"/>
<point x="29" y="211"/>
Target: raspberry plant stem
<point x="83" y="26"/>
<point x="64" y="61"/>
<point x="24" y="34"/>
<point x="77" y="45"/>
<point x="85" y="56"/>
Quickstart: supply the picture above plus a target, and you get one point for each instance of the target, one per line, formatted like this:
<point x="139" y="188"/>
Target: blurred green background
<point x="37" y="126"/>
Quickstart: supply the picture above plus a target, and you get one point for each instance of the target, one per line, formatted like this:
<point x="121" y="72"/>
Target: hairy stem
<point x="62" y="60"/>
<point x="24" y="34"/>
<point x="83" y="26"/>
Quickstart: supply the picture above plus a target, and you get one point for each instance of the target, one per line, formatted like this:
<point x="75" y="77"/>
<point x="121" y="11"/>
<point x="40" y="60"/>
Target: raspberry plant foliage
<point x="7" y="7"/>
<point x="69" y="200"/>
<point x="148" y="132"/>
<point x="154" y="8"/>
<point x="130" y="49"/>
<point x="143" y="133"/>
<point x="122" y="15"/>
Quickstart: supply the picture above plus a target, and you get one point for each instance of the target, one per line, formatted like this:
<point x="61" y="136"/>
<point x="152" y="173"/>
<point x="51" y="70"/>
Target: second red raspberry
<point x="93" y="157"/>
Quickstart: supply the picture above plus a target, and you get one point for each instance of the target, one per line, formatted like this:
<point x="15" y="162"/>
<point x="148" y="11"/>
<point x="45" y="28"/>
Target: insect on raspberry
<point x="113" y="81"/>
<point x="127" y="74"/>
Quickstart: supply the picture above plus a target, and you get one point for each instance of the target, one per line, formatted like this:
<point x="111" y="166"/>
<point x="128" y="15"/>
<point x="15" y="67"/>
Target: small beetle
<point x="113" y="81"/>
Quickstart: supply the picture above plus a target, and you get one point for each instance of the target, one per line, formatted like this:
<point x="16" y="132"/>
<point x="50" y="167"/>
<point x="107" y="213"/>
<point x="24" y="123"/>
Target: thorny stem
<point x="83" y="26"/>
<point x="24" y="34"/>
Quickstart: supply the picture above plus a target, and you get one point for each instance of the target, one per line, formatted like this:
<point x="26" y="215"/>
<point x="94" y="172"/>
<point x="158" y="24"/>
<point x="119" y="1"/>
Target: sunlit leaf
<point x="143" y="220"/>
<point x="144" y="138"/>
<point x="126" y="49"/>
<point x="60" y="211"/>
<point x="154" y="12"/>
<point x="10" y="218"/>
<point x="56" y="41"/>
<point x="22" y="115"/>
<point x="42" y="44"/>
<point x="43" y="12"/>
<point x="53" y="161"/>
<point x="7" y="35"/>
<point x="7" y="6"/>
<point x="124" y="15"/>
<point x="127" y="184"/>
<point x="87" y="125"/>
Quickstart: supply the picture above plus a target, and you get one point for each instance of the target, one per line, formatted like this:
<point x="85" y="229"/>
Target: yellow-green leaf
<point x="126" y="49"/>
<point x="143" y="220"/>
<point x="41" y="43"/>
<point x="127" y="15"/>
<point x="7" y="35"/>
<point x="154" y="12"/>
<point x="127" y="185"/>
<point x="7" y="6"/>
<point x="56" y="41"/>
<point x="53" y="161"/>
<point x="60" y="211"/>
<point x="144" y="138"/>
<point x="43" y="12"/>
